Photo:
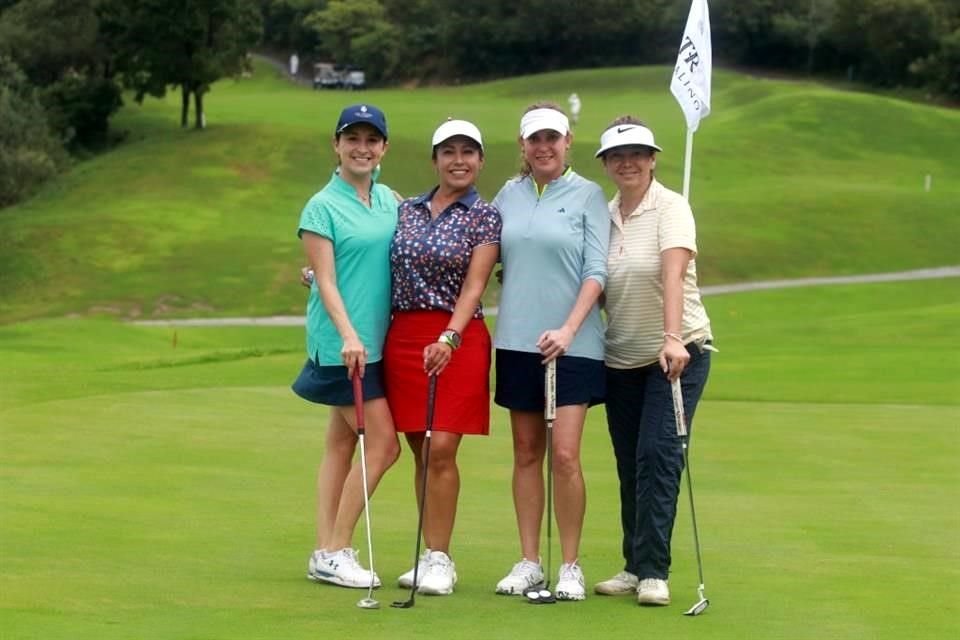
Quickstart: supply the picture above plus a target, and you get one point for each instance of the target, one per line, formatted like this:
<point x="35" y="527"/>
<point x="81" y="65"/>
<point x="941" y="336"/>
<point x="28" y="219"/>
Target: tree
<point x="803" y="28"/>
<point x="57" y="44"/>
<point x="421" y="49"/>
<point x="79" y="108"/>
<point x="883" y="37"/>
<point x="180" y="43"/>
<point x="283" y="24"/>
<point x="941" y="69"/>
<point x="29" y="151"/>
<point x="357" y="32"/>
<point x="47" y="37"/>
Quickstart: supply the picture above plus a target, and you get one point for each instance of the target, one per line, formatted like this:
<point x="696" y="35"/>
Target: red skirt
<point x="463" y="388"/>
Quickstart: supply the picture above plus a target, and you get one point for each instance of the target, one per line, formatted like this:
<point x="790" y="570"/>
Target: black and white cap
<point x="626" y="135"/>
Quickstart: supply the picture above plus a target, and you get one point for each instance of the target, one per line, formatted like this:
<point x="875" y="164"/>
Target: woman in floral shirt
<point x="446" y="244"/>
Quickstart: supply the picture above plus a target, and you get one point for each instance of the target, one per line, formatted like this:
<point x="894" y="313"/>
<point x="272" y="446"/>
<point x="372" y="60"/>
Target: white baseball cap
<point x="626" y="135"/>
<point x="540" y="119"/>
<point x="452" y="128"/>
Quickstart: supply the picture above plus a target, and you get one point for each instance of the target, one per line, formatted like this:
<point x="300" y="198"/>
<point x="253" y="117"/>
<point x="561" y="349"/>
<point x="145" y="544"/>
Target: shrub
<point x="79" y="109"/>
<point x="29" y="152"/>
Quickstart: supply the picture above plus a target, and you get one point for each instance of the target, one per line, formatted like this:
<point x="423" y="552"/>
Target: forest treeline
<point x="65" y="64"/>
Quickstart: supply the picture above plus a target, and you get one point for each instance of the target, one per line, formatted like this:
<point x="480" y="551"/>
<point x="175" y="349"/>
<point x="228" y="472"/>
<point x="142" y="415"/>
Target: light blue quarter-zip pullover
<point x="550" y="244"/>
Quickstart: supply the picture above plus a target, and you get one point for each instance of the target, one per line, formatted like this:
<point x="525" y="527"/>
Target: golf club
<point x="368" y="602"/>
<point x="701" y="605"/>
<point x="544" y="595"/>
<point x="431" y="400"/>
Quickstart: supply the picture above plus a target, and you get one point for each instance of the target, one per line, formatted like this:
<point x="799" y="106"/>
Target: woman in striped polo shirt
<point x="657" y="331"/>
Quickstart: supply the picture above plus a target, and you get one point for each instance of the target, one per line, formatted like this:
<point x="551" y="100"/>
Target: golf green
<point x="159" y="491"/>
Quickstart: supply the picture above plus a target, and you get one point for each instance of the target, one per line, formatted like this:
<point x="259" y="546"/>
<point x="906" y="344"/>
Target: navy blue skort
<point x="520" y="384"/>
<point x="330" y="385"/>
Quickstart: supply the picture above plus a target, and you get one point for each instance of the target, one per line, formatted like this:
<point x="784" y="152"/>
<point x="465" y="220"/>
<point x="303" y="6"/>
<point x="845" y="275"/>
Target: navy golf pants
<point x="649" y="456"/>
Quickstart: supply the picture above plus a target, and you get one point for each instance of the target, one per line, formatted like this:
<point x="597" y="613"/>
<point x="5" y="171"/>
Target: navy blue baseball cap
<point x="365" y="113"/>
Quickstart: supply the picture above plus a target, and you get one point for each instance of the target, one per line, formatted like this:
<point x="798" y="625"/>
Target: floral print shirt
<point x="429" y="258"/>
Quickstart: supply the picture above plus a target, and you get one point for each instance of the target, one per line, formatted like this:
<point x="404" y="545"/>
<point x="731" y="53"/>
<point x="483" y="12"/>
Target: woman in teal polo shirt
<point x="346" y="230"/>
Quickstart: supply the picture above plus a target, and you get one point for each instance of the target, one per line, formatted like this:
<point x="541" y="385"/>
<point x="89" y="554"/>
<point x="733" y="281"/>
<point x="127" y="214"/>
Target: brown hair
<point x="525" y="168"/>
<point x="628" y="119"/>
<point x="622" y="120"/>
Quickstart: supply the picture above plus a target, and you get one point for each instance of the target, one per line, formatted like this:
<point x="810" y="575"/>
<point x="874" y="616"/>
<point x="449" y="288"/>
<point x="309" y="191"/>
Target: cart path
<point x="720" y="289"/>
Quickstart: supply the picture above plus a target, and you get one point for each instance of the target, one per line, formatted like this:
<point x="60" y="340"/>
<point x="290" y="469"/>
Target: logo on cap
<point x="622" y="129"/>
<point x="363" y="108"/>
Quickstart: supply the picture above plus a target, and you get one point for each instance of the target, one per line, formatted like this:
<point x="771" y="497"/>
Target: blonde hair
<point x="525" y="168"/>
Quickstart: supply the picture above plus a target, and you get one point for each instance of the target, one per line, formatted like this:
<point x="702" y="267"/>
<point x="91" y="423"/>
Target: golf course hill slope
<point x="789" y="179"/>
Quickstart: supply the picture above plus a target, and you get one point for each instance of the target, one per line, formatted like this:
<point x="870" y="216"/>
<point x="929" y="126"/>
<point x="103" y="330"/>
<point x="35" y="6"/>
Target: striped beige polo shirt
<point x="634" y="291"/>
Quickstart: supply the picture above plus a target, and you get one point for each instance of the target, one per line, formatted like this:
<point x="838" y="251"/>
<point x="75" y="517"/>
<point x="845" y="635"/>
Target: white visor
<point x="540" y="119"/>
<point x="626" y="135"/>
<point x="452" y="128"/>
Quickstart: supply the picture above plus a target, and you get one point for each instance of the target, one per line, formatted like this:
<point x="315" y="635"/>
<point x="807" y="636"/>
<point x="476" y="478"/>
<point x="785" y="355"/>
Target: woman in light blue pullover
<point x="556" y="230"/>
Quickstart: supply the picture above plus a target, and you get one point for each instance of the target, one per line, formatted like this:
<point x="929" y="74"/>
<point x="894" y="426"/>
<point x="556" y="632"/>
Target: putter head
<point x="539" y="595"/>
<point x="402" y="604"/>
<point x="368" y="603"/>
<point x="698" y="608"/>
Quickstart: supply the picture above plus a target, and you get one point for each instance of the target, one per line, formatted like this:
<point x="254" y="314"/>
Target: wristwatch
<point x="450" y="338"/>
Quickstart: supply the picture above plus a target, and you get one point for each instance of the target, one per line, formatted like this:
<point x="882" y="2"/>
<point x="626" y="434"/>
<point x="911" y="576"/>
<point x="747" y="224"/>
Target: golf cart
<point x="327" y="75"/>
<point x="354" y="79"/>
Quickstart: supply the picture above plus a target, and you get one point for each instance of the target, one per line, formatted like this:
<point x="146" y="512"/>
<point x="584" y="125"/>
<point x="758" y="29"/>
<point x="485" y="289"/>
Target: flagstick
<point x="687" y="161"/>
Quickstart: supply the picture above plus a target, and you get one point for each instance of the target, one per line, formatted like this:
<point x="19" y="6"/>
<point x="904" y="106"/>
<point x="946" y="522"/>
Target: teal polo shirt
<point x="361" y="247"/>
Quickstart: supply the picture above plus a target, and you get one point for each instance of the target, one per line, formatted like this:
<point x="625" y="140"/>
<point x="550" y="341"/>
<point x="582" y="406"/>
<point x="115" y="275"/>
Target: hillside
<point x="790" y="179"/>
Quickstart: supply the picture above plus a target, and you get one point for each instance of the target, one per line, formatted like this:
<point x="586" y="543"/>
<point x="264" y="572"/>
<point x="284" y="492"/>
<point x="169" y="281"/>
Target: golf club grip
<point x="358" y="401"/>
<point x="550" y="388"/>
<point x="678" y="412"/>
<point x="431" y="401"/>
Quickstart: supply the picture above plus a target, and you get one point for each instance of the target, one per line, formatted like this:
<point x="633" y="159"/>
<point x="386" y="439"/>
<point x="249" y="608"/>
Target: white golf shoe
<point x="340" y="568"/>
<point x="619" y="585"/>
<point x="315" y="561"/>
<point x="570" y="582"/>
<point x="440" y="577"/>
<point x="405" y="581"/>
<point x="653" y="591"/>
<point x="524" y="575"/>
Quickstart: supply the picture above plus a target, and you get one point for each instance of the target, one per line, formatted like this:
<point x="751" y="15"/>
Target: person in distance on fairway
<point x="554" y="248"/>
<point x="446" y="244"/>
<point x="657" y="331"/>
<point x="346" y="230"/>
<point x="575" y="105"/>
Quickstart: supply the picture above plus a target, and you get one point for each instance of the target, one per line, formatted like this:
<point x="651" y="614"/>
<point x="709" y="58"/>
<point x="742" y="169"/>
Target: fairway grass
<point x="158" y="491"/>
<point x="790" y="179"/>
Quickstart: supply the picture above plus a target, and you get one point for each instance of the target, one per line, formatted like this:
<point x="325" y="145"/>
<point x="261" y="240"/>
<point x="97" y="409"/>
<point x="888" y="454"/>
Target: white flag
<point x="691" y="77"/>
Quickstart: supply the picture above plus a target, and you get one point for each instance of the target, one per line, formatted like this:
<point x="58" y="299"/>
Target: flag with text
<point x="691" y="76"/>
